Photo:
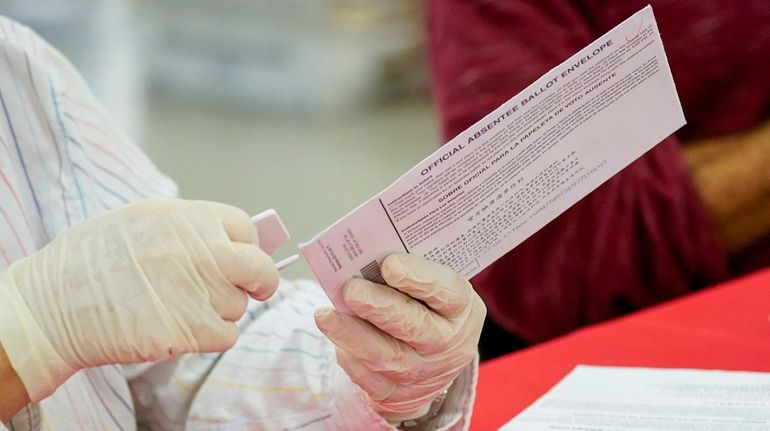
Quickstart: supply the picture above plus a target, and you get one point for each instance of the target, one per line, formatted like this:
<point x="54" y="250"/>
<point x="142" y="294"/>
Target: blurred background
<point x="306" y="106"/>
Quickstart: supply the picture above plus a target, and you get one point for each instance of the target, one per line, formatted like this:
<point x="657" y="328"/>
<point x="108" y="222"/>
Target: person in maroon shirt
<point x="692" y="211"/>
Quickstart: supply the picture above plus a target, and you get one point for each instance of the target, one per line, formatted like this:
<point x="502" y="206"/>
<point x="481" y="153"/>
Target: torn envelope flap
<point x="271" y="230"/>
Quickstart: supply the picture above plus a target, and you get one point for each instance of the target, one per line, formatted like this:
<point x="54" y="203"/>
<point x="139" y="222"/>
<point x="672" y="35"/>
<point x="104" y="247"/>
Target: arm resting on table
<point x="732" y="175"/>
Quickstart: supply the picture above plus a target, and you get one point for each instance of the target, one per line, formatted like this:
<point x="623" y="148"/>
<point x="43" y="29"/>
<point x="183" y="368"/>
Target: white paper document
<point x="620" y="399"/>
<point x="498" y="182"/>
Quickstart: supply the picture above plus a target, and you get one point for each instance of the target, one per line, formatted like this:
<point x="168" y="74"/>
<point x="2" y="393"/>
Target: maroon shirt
<point x="644" y="236"/>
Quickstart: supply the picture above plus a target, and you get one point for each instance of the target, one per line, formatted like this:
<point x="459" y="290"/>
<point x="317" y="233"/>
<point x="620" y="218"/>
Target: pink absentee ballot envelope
<point x="505" y="177"/>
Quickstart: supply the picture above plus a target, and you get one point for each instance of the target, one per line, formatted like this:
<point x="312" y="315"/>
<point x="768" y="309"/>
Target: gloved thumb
<point x="328" y="321"/>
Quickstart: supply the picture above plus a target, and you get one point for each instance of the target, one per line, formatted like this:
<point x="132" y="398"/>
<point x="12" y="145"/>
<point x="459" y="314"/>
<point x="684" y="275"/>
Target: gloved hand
<point x="408" y="342"/>
<point x="146" y="282"/>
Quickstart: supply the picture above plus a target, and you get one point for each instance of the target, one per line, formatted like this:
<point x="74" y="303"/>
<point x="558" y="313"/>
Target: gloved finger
<point x="444" y="290"/>
<point x="215" y="335"/>
<point x="377" y="386"/>
<point x="378" y="351"/>
<point x="248" y="267"/>
<point x="412" y="398"/>
<point x="229" y="302"/>
<point x="400" y="315"/>
<point x="236" y="222"/>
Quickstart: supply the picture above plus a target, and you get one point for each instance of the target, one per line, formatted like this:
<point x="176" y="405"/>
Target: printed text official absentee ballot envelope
<point x="515" y="170"/>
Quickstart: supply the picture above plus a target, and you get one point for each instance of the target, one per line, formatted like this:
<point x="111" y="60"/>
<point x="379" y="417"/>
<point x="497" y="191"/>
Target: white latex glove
<point x="409" y="341"/>
<point x="146" y="282"/>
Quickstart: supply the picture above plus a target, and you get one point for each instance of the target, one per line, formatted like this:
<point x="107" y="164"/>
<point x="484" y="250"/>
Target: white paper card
<point x="498" y="182"/>
<point x="620" y="399"/>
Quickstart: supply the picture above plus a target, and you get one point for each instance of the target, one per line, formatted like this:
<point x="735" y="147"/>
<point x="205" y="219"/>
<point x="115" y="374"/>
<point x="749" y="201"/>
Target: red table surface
<point x="724" y="327"/>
